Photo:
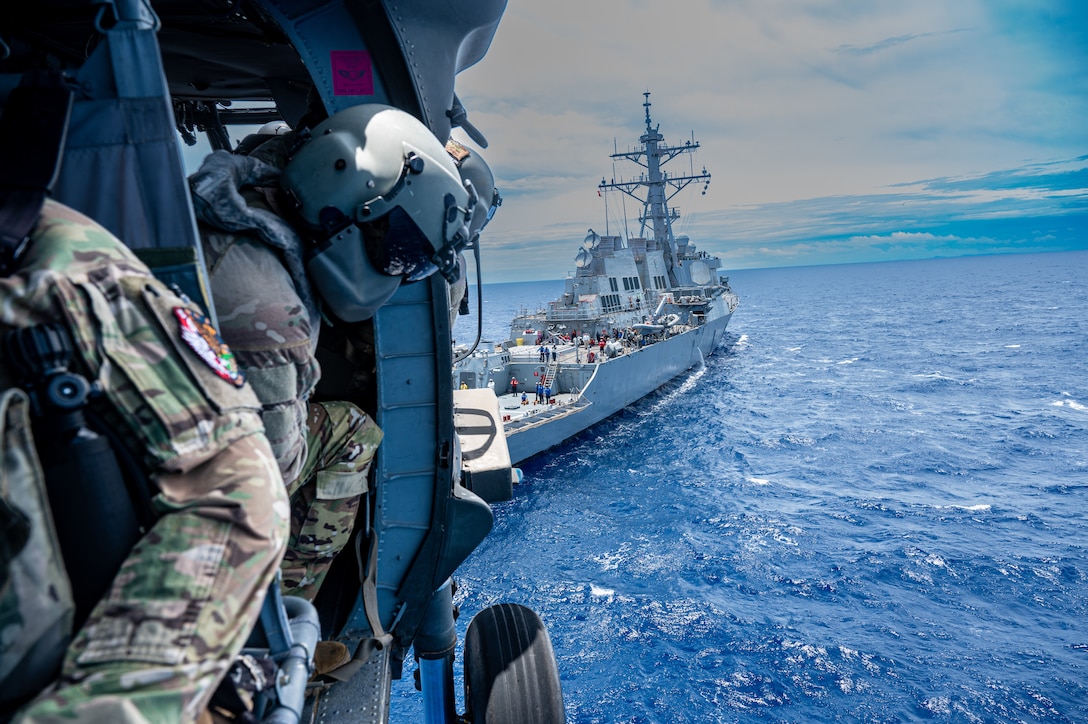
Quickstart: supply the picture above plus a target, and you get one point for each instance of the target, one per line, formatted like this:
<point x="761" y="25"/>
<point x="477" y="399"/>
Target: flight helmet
<point x="381" y="202"/>
<point x="274" y="128"/>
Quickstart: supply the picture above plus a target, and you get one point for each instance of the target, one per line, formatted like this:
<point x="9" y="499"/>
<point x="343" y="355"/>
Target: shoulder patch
<point x="202" y="338"/>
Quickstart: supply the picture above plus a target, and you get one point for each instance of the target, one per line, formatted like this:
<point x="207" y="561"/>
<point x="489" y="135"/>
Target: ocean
<point x="869" y="505"/>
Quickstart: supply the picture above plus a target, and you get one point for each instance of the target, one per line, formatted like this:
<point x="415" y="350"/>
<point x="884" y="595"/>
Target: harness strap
<point x="380" y="638"/>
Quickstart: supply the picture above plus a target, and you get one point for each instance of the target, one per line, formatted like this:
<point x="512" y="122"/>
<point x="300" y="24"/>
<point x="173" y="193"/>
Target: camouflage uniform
<point x="187" y="596"/>
<point x="267" y="316"/>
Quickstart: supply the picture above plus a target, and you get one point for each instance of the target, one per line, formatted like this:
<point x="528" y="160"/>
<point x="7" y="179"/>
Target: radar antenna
<point x="655" y="188"/>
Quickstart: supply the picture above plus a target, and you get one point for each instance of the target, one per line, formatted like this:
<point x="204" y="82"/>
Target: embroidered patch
<point x="202" y="338"/>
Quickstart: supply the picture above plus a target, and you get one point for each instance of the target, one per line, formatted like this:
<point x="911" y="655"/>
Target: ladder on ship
<point x="549" y="374"/>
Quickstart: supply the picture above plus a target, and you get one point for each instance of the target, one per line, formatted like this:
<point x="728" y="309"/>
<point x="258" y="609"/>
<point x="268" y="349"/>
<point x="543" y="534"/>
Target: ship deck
<point x="516" y="415"/>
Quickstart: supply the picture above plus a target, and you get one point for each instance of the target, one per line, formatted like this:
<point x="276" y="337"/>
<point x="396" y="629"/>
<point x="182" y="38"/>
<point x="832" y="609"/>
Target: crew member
<point x="294" y="233"/>
<point x="188" y="594"/>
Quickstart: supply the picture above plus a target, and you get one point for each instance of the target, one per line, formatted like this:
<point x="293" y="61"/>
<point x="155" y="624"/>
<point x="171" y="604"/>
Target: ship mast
<point x="659" y="187"/>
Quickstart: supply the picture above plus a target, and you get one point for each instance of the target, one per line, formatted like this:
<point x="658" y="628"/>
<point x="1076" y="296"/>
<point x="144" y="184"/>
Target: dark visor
<point x="396" y="246"/>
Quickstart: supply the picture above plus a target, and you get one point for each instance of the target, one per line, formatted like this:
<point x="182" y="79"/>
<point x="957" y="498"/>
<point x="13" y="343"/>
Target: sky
<point x="835" y="131"/>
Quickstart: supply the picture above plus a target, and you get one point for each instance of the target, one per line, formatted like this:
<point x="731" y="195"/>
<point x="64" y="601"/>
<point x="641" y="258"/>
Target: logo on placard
<point x="352" y="73"/>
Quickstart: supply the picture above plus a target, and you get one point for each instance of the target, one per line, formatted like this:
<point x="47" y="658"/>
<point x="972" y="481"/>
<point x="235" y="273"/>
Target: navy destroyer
<point x="634" y="314"/>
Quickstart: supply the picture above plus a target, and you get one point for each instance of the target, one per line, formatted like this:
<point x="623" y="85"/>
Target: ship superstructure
<point x="644" y="280"/>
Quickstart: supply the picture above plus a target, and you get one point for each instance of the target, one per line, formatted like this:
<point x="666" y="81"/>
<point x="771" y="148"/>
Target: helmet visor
<point x="397" y="247"/>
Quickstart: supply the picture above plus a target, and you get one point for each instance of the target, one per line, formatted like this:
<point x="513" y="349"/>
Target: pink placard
<point x="352" y="74"/>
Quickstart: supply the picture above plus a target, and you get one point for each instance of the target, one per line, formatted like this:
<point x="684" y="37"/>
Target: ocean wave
<point x="671" y="391"/>
<point x="977" y="508"/>
<point x="788" y="440"/>
<point x="936" y="376"/>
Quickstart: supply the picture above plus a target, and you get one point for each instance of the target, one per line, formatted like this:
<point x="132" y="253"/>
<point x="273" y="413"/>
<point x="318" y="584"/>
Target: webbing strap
<point x="379" y="638"/>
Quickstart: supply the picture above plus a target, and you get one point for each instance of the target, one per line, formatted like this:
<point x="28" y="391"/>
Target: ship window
<point x="612" y="283"/>
<point x="627" y="284"/>
<point x="634" y="281"/>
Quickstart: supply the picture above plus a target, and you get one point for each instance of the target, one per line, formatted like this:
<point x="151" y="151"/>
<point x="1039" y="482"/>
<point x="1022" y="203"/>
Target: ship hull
<point x="614" y="385"/>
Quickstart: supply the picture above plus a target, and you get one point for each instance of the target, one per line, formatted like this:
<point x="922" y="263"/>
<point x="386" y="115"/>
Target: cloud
<point x="828" y="125"/>
<point x="1056" y="177"/>
<point x="1027" y="209"/>
<point x="884" y="44"/>
<point x="1040" y="207"/>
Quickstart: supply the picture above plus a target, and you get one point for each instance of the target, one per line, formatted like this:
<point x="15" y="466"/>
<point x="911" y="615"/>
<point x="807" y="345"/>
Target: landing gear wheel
<point x="511" y="676"/>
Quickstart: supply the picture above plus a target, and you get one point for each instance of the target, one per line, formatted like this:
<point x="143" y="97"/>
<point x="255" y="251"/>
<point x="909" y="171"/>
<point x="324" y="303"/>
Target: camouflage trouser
<point x="340" y="443"/>
<point x="185" y="600"/>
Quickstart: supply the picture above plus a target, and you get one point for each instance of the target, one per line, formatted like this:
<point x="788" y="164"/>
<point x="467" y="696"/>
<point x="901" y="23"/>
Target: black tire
<point x="511" y="676"/>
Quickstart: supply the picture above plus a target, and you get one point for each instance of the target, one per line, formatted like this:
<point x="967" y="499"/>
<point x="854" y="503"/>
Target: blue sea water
<point x="868" y="505"/>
